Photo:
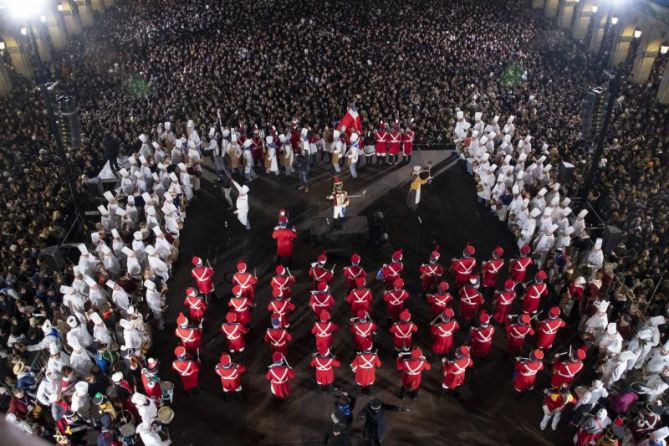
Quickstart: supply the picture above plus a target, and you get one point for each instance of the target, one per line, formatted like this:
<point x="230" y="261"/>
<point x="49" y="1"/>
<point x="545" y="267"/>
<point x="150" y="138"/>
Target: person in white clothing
<point x="242" y="204"/>
<point x="272" y="161"/>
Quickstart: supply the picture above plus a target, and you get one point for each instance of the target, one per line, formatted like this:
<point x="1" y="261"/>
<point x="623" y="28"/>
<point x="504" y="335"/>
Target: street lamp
<point x="595" y="8"/>
<point x="614" y="20"/>
<point x="664" y="48"/>
<point x="24" y="11"/>
<point x="637" y="33"/>
<point x="2" y="45"/>
<point x="60" y="7"/>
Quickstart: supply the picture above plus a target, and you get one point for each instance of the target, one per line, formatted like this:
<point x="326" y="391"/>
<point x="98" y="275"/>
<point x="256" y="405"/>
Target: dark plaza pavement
<point x="487" y="412"/>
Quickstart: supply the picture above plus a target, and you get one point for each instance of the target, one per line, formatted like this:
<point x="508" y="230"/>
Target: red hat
<point x="469" y="250"/>
<point x="283" y="220"/>
<point x="277" y="357"/>
<point x="241" y="266"/>
<point x="509" y="284"/>
<point x="196" y="261"/>
<point x="276" y="292"/>
<point x="524" y="318"/>
<point x="190" y="292"/>
<point x="182" y="320"/>
<point x="362" y="314"/>
<point x="282" y="212"/>
<point x="355" y="258"/>
<point x="237" y="290"/>
<point x="398" y="283"/>
<point x="231" y="316"/>
<point x="382" y="125"/>
<point x="462" y="351"/>
<point x="498" y="252"/>
<point x="416" y="352"/>
<point x="554" y="311"/>
<point x="396" y="125"/>
<point x="324" y="315"/>
<point x="443" y="285"/>
<point x="397" y="255"/>
<point x="484" y="317"/>
<point x="323" y="350"/>
<point x="448" y="312"/>
<point x="360" y="282"/>
<point x="580" y="354"/>
<point x="367" y="344"/>
<point x="336" y="179"/>
<point x="179" y="351"/>
<point x="525" y="250"/>
<point x="538" y="354"/>
<point x="322" y="286"/>
<point x="405" y="316"/>
<point x="435" y="255"/>
<point x="280" y="269"/>
<point x="541" y="275"/>
<point x="474" y="279"/>
<point x="225" y="359"/>
<point x="322" y="258"/>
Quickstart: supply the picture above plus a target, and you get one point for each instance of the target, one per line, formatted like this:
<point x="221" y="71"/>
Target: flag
<point x="350" y="122"/>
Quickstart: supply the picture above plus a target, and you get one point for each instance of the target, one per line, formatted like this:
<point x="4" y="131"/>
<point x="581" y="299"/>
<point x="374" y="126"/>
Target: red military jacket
<point x="284" y="241"/>
<point x="363" y="329"/>
<point x="408" y="139"/>
<point x="189" y="337"/>
<point x="233" y="330"/>
<point x="282" y="282"/>
<point x="481" y="337"/>
<point x="470" y="297"/>
<point x="320" y="274"/>
<point x="527" y="367"/>
<point x="504" y="298"/>
<point x="359" y="296"/>
<point x="277" y="337"/>
<point x="323" y="330"/>
<point x="490" y="270"/>
<point x="518" y="331"/>
<point x="244" y="280"/>
<point x="203" y="276"/>
<point x="403" y="330"/>
<point x="431" y="270"/>
<point x="352" y="272"/>
<point x="547" y="330"/>
<point x="565" y="370"/>
<point x="439" y="300"/>
<point x="381" y="139"/>
<point x="463" y="268"/>
<point x="281" y="307"/>
<point x="321" y="300"/>
<point x="395" y="297"/>
<point x="195" y="303"/>
<point x="392" y="270"/>
<point x="518" y="268"/>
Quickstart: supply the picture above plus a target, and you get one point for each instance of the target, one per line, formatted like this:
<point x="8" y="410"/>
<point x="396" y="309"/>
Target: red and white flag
<point x="350" y="122"/>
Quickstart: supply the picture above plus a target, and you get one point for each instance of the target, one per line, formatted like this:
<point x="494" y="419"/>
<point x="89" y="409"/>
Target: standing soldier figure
<point x="230" y="373"/>
<point x="440" y="300"/>
<point x="381" y="143"/>
<point x="454" y="370"/>
<point x="412" y="368"/>
<point x="394" y="141"/>
<point x="395" y="299"/>
<point x="151" y="381"/>
<point x="518" y="267"/>
<point x="481" y="337"/>
<point x="431" y="273"/>
<point x="548" y="328"/>
<point x="393" y="270"/>
<point x="187" y="369"/>
<point x="234" y="332"/>
<point x="277" y="337"/>
<point x="363" y="328"/>
<point x="204" y="277"/>
<point x="463" y="268"/>
<point x="403" y="331"/>
<point x="492" y="267"/>
<point x="284" y="237"/>
<point x="324" y="364"/>
<point x="359" y="298"/>
<point x="534" y="292"/>
<point x="283" y="281"/>
<point x="241" y="306"/>
<point x="526" y="369"/>
<point x="282" y="307"/>
<point x="321" y="299"/>
<point x="364" y="366"/>
<point x="245" y="281"/>
<point x="195" y="304"/>
<point x="442" y="329"/>
<point x="556" y="399"/>
<point x="280" y="374"/>
<point x="318" y="272"/>
<point x="516" y="332"/>
<point x="407" y="142"/>
<point x="190" y="337"/>
<point x="323" y="330"/>
<point x="354" y="272"/>
<point x="470" y="299"/>
<point x="564" y="370"/>
<point x="503" y="300"/>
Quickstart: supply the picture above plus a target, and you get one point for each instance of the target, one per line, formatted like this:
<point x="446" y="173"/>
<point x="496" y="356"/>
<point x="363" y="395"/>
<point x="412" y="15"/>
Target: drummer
<point x="149" y="433"/>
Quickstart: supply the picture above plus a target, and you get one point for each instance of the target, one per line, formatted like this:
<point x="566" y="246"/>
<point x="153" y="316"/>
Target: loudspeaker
<point x="566" y="173"/>
<point x="611" y="238"/>
<point x="53" y="258"/>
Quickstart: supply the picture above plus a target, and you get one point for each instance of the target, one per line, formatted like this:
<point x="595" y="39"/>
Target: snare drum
<point x="165" y="415"/>
<point x="168" y="391"/>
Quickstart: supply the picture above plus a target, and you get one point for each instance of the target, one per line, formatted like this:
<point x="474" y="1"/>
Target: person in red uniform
<point x="565" y="367"/>
<point x="440" y="300"/>
<point x="187" y="369"/>
<point x="323" y="330"/>
<point x="244" y="280"/>
<point x="195" y="304"/>
<point x="279" y="375"/>
<point x="556" y="399"/>
<point x="492" y="267"/>
<point x="204" y="278"/>
<point x="318" y="272"/>
<point x="381" y="143"/>
<point x="481" y="336"/>
<point x="277" y="337"/>
<point x="407" y="142"/>
<point x="464" y="267"/>
<point x="362" y="328"/>
<point x="393" y="270"/>
<point x="321" y="299"/>
<point x="394" y="142"/>
<point x="324" y="364"/>
<point x="257" y="149"/>
<point x="534" y="293"/>
<point x="230" y="373"/>
<point x="284" y="237"/>
<point x="442" y="329"/>
<point x="359" y="298"/>
<point x="190" y="337"/>
<point x="548" y="328"/>
<point x="431" y="272"/>
<point x="395" y="299"/>
<point x="283" y="281"/>
<point x="516" y="332"/>
<point x="454" y="370"/>
<point x="518" y="267"/>
<point x="282" y="307"/>
<point x="234" y="332"/>
<point x="354" y="272"/>
<point x="364" y="366"/>
<point x="412" y="367"/>
<point x="241" y="306"/>
<point x="295" y="137"/>
<point x="503" y="300"/>
<point x="403" y="331"/>
<point x="470" y="298"/>
<point x="525" y="370"/>
<point x="151" y="381"/>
